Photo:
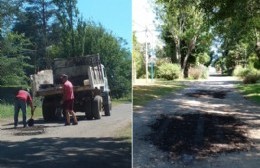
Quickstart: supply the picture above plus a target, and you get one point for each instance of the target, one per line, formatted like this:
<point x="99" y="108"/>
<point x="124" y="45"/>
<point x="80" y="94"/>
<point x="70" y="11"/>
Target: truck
<point x="90" y="84"/>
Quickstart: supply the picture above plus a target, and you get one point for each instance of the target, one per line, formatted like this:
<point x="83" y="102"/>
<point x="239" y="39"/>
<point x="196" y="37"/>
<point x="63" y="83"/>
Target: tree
<point x="41" y="30"/>
<point x="67" y="14"/>
<point x="14" y="59"/>
<point x="235" y="23"/>
<point x="114" y="56"/>
<point x="138" y="64"/>
<point x="182" y="27"/>
<point x="34" y="21"/>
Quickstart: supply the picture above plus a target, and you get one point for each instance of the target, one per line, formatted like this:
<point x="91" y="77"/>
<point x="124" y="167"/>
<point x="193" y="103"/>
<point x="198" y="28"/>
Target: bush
<point x="241" y="72"/>
<point x="198" y="72"/>
<point x="251" y="78"/>
<point x="169" y="71"/>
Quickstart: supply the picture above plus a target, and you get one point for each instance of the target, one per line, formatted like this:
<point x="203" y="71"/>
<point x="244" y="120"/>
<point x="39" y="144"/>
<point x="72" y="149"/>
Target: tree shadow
<point x="66" y="152"/>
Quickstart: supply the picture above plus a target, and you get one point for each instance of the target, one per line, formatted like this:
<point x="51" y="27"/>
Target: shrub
<point x="239" y="71"/>
<point x="198" y="72"/>
<point x="169" y="71"/>
<point x="251" y="78"/>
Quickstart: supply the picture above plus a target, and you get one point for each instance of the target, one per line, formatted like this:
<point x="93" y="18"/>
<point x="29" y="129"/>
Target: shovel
<point x="30" y="122"/>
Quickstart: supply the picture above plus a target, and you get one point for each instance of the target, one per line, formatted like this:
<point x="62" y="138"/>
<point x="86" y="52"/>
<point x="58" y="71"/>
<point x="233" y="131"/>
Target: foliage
<point x="34" y="32"/>
<point x="251" y="77"/>
<point x="13" y="59"/>
<point x="236" y="30"/>
<point x="198" y="72"/>
<point x="169" y="71"/>
<point x="183" y="31"/>
<point x="202" y="58"/>
<point x="66" y="14"/>
<point x="249" y="74"/>
<point x="240" y="71"/>
<point x="138" y="67"/>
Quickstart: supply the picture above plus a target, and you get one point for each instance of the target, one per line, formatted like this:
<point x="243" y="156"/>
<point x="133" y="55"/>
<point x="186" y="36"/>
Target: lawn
<point x="125" y="132"/>
<point x="251" y="91"/>
<point x="142" y="94"/>
<point x="7" y="111"/>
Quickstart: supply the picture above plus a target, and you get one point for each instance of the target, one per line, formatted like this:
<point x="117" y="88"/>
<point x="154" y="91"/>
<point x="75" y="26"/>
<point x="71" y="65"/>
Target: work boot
<point x="67" y="124"/>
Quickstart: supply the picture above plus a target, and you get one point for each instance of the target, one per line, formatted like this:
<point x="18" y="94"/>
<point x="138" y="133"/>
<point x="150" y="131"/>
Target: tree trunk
<point x="185" y="61"/>
<point x="178" y="50"/>
<point x="257" y="49"/>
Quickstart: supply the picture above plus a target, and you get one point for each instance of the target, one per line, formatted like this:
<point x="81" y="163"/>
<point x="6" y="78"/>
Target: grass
<point x="116" y="102"/>
<point x="251" y="91"/>
<point x="7" y="111"/>
<point x="125" y="132"/>
<point x="142" y="94"/>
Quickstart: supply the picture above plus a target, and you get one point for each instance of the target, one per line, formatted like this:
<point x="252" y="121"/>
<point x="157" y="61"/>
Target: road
<point x="148" y="155"/>
<point x="92" y="143"/>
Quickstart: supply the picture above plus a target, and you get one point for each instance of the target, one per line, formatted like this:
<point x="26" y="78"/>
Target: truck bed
<point x="58" y="90"/>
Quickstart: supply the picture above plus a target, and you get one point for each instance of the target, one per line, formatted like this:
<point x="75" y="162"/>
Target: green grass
<point x="251" y="91"/>
<point x="7" y="111"/>
<point x="116" y="102"/>
<point x="142" y="94"/>
<point x="125" y="132"/>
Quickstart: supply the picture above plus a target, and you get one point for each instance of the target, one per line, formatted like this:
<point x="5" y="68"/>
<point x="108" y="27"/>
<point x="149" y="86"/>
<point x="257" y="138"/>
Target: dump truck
<point x="91" y="90"/>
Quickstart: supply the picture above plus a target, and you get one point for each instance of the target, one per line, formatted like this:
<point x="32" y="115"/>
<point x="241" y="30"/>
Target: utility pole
<point x="146" y="56"/>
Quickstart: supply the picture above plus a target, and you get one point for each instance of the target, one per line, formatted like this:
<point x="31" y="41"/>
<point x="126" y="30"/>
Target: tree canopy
<point x="191" y="28"/>
<point x="34" y="32"/>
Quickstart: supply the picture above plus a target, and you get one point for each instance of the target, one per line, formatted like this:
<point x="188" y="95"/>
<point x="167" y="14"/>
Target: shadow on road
<point x="66" y="152"/>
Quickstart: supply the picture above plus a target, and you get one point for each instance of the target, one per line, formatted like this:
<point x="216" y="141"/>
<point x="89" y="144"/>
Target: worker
<point x="21" y="99"/>
<point x="68" y="100"/>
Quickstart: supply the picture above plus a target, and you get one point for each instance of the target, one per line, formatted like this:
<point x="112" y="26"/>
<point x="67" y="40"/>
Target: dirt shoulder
<point x="191" y="102"/>
<point x="92" y="143"/>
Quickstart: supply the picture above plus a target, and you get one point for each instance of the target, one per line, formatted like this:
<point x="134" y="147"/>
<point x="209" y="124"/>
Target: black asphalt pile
<point x="199" y="135"/>
<point x="207" y="93"/>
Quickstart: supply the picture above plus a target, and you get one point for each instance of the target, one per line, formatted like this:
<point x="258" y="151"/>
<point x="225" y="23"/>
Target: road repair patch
<point x="35" y="130"/>
<point x="199" y="135"/>
<point x="207" y="93"/>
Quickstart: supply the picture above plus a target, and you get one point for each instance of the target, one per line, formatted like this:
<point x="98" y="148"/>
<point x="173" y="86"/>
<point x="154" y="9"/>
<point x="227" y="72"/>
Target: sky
<point x="143" y="17"/>
<point x="114" y="15"/>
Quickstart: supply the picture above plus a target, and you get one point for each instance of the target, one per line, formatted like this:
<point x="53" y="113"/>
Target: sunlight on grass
<point x="143" y="93"/>
<point x="251" y="91"/>
<point x="7" y="111"/>
<point x="125" y="132"/>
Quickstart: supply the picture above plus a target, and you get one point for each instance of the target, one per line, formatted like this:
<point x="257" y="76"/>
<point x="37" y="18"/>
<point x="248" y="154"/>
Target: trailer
<point x="91" y="90"/>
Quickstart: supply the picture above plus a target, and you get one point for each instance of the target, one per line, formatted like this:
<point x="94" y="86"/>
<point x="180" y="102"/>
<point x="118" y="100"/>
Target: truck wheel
<point x="88" y="112"/>
<point x="96" y="107"/>
<point x="107" y="107"/>
<point x="48" y="109"/>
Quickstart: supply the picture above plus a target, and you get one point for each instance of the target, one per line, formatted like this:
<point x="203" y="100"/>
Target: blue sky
<point x="114" y="15"/>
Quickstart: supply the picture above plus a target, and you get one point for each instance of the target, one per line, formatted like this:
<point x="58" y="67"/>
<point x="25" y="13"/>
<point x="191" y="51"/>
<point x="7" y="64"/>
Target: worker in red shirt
<point x="21" y="98"/>
<point x="68" y="100"/>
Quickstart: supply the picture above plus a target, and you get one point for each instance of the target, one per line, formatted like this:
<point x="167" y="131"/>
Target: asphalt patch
<point x="34" y="130"/>
<point x="199" y="135"/>
<point x="207" y="93"/>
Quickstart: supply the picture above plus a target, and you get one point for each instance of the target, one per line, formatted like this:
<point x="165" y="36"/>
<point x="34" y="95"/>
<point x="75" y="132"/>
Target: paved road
<point x="90" y="144"/>
<point x="146" y="155"/>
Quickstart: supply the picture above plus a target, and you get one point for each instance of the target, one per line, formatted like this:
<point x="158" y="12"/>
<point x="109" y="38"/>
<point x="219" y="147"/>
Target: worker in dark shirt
<point x="21" y="99"/>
